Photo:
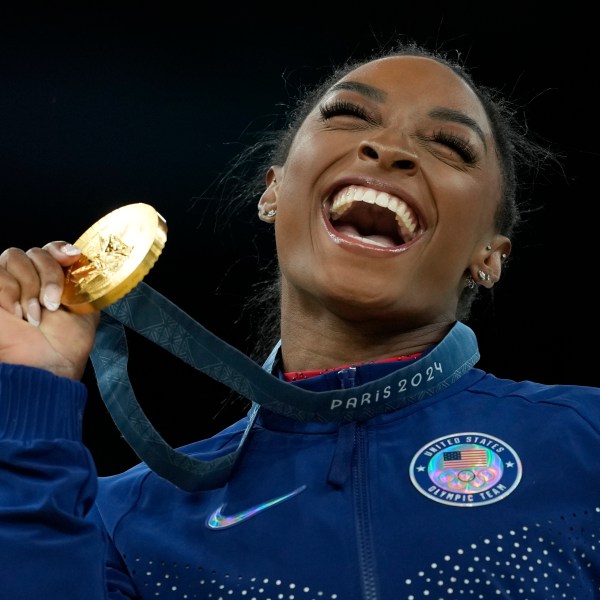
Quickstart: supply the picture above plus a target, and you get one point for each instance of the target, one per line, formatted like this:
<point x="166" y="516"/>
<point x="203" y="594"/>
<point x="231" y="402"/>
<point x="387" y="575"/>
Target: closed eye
<point x="338" y="108"/>
<point x="456" y="143"/>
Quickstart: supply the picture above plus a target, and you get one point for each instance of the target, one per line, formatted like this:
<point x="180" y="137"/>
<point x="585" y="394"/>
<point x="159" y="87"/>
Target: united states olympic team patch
<point x="466" y="469"/>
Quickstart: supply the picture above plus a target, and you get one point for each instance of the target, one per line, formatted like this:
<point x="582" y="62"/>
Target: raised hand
<point x="35" y="330"/>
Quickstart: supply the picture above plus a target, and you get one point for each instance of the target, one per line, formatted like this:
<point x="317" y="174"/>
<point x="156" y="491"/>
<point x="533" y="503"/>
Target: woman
<point x="393" y="197"/>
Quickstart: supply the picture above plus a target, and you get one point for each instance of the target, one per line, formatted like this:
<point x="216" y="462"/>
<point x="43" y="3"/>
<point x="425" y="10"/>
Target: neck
<point x="324" y="340"/>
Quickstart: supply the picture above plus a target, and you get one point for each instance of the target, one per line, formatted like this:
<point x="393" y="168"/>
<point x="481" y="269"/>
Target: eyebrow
<point x="362" y="88"/>
<point x="440" y="114"/>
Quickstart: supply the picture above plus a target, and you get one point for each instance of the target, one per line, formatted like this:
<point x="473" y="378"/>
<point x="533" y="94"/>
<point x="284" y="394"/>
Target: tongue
<point x="376" y="239"/>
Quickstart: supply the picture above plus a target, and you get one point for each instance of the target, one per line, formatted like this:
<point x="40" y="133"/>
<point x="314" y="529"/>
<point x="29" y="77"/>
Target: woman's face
<point x="388" y="195"/>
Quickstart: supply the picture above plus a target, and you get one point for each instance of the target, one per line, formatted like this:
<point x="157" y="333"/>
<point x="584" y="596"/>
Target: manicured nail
<point x="70" y="250"/>
<point x="34" y="312"/>
<point x="52" y="297"/>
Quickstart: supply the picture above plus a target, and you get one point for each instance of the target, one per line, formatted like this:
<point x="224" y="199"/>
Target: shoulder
<point x="206" y="449"/>
<point x="119" y="494"/>
<point x="534" y="391"/>
<point x="579" y="399"/>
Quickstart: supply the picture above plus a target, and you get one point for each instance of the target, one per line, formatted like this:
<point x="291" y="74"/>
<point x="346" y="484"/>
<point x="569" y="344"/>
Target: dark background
<point x="148" y="103"/>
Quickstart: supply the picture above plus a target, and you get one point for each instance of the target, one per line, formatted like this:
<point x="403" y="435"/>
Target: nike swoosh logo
<point x="219" y="521"/>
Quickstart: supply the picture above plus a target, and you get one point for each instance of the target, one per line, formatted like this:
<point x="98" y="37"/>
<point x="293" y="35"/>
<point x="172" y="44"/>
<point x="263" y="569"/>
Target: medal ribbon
<point x="147" y="312"/>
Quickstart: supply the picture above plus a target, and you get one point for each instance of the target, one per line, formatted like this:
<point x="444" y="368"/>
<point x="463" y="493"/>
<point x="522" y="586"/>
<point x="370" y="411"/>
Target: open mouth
<point x="372" y="217"/>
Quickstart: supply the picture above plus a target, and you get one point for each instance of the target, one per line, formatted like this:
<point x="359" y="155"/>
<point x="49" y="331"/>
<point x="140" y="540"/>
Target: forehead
<point x="419" y="79"/>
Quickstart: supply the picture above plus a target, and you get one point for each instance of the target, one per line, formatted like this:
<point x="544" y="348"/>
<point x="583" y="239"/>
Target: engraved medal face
<point x="117" y="252"/>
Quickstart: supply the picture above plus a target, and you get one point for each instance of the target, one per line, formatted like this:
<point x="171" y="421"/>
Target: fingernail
<point x="34" y="312"/>
<point x="52" y="297"/>
<point x="70" y="250"/>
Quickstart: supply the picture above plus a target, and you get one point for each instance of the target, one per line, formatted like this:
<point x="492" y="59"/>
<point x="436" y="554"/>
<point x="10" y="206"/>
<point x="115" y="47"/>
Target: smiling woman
<point x="465" y="148"/>
<point x="394" y="192"/>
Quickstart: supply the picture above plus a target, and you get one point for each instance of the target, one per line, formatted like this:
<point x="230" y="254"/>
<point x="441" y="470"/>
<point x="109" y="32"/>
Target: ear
<point x="487" y="266"/>
<point x="267" y="205"/>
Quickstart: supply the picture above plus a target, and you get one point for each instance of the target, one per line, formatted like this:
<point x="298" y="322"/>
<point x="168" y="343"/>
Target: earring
<point x="470" y="283"/>
<point x="488" y="248"/>
<point x="483" y="276"/>
<point x="504" y="256"/>
<point x="267" y="215"/>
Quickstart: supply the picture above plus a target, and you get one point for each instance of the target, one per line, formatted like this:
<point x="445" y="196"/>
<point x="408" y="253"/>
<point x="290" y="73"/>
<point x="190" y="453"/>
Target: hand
<point x="34" y="329"/>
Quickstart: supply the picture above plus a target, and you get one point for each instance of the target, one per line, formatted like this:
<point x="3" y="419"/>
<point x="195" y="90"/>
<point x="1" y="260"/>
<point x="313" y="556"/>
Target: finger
<point x="48" y="262"/>
<point x="45" y="288"/>
<point x="66" y="254"/>
<point x="34" y="278"/>
<point x="10" y="290"/>
<point x="19" y="285"/>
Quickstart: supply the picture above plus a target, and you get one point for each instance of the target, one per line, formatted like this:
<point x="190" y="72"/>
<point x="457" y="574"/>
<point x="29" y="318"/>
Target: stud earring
<point x="483" y="276"/>
<point x="267" y="215"/>
<point x="488" y="248"/>
<point x="470" y="283"/>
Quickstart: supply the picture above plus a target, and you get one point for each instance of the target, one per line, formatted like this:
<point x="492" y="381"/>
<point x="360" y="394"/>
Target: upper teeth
<point x="357" y="193"/>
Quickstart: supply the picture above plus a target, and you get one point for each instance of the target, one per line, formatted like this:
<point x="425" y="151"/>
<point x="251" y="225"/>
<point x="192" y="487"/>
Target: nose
<point x="390" y="154"/>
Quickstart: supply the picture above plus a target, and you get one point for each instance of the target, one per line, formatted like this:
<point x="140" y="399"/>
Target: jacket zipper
<point x="360" y="486"/>
<point x="362" y="506"/>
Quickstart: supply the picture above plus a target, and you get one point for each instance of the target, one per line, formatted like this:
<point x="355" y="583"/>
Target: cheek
<point x="303" y="154"/>
<point x="312" y="154"/>
<point x="469" y="202"/>
<point x="299" y="195"/>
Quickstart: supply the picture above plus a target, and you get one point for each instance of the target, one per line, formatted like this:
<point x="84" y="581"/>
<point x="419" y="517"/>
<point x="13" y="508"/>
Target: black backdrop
<point x="101" y="108"/>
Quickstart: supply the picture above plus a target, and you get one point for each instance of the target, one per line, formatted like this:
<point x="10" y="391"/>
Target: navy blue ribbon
<point x="147" y="312"/>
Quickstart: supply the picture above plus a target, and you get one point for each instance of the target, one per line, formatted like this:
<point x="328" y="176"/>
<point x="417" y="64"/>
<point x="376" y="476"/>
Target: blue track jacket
<point x="487" y="489"/>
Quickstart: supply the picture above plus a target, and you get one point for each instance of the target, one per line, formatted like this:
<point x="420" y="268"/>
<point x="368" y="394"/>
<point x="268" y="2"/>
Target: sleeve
<point x="49" y="547"/>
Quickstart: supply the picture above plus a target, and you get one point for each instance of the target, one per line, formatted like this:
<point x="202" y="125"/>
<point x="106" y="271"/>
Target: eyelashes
<point x="343" y="107"/>
<point x="450" y="140"/>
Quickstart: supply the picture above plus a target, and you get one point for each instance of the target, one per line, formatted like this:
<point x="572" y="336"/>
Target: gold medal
<point x="117" y="252"/>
